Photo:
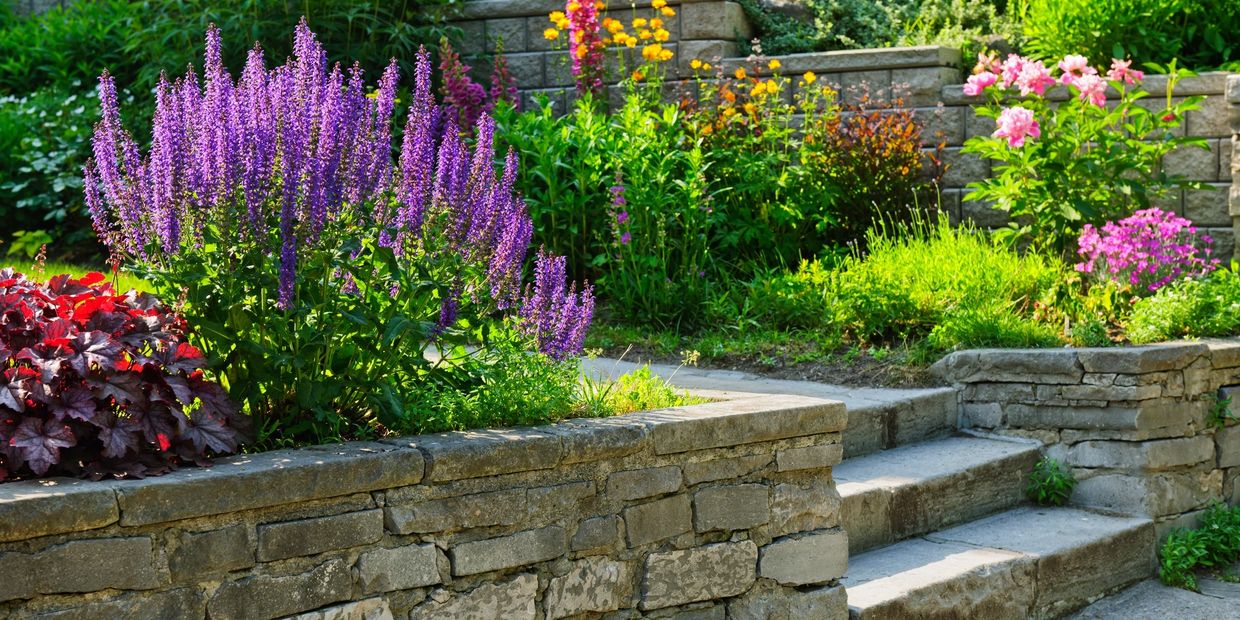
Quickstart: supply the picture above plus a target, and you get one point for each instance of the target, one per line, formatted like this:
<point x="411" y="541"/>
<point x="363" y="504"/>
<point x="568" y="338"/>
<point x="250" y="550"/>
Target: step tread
<point x="915" y="463"/>
<point x="1026" y="561"/>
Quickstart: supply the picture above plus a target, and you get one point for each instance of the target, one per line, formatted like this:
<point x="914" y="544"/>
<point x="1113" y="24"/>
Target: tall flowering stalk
<point x="465" y="99"/>
<point x="281" y="186"/>
<point x="585" y="45"/>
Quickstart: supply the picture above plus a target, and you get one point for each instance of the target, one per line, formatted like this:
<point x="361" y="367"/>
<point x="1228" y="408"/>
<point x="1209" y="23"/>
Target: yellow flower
<point x="613" y="25"/>
<point x="668" y="12"/>
<point x="640" y="22"/>
<point x="656" y="23"/>
<point x="582" y="51"/>
<point x="750" y="109"/>
<point x="556" y="17"/>
<point x="758" y="89"/>
<point x="573" y="7"/>
<point x="809" y="77"/>
<point x="658" y="4"/>
<point x="661" y="35"/>
<point x="665" y="55"/>
<point x="631" y="41"/>
<point x="551" y="34"/>
<point x="695" y="64"/>
<point x="740" y="73"/>
<point x="707" y="130"/>
<point x="774" y="65"/>
<point x="600" y="6"/>
<point x="729" y="112"/>
<point x="563" y="24"/>
<point x="706" y="66"/>
<point x="644" y="34"/>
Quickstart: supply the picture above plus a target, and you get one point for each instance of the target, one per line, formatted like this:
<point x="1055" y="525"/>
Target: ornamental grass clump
<point x="317" y="269"/>
<point x="1145" y="251"/>
<point x="94" y="383"/>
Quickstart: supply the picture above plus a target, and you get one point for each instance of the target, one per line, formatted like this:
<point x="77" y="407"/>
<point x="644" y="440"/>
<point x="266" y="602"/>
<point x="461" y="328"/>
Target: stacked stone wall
<point x="723" y="508"/>
<point x="1147" y="430"/>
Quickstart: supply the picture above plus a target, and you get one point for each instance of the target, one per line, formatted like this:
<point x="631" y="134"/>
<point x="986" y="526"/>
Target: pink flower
<point x="1074" y="67"/>
<point x="1121" y="73"/>
<point x="980" y="82"/>
<point x="1093" y="89"/>
<point x="1034" y="78"/>
<point x="1016" y="124"/>
<point x="1012" y="68"/>
<point x="988" y="62"/>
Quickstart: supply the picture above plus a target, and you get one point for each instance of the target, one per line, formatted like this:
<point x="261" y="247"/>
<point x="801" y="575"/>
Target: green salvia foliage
<point x="1215" y="544"/>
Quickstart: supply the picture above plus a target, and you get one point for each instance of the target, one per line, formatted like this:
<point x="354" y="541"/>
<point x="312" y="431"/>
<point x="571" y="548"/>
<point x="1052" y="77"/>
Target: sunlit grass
<point x="122" y="282"/>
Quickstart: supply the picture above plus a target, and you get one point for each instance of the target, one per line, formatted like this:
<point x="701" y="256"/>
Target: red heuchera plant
<point x="93" y="383"/>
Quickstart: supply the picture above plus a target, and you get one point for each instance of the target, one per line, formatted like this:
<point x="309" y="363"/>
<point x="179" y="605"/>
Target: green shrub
<point x="990" y="326"/>
<point x="1215" y="544"/>
<point x="1208" y="306"/>
<point x="1201" y="33"/>
<point x="916" y="277"/>
<point x="1050" y="483"/>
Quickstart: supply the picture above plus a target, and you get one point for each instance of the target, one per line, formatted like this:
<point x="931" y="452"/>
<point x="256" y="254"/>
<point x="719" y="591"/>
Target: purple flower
<point x="625" y="238"/>
<point x="622" y="217"/>
<point x="1147" y="250"/>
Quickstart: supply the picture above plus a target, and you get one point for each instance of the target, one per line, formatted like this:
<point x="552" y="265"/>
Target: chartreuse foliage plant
<point x="1193" y="307"/>
<point x="318" y="272"/>
<point x="1060" y="166"/>
<point x="1050" y="483"/>
<point x="1215" y="544"/>
<point x="95" y="383"/>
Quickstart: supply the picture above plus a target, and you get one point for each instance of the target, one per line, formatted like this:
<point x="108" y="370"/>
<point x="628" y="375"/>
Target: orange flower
<point x="551" y="34"/>
<point x="740" y="73"/>
<point x="667" y="11"/>
<point x="658" y="4"/>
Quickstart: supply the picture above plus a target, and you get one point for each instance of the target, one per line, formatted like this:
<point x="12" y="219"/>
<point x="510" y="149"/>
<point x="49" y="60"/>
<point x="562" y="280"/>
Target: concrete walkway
<point x="1151" y="600"/>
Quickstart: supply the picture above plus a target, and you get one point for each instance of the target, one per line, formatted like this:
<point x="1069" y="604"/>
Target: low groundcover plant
<point x="316" y="270"/>
<point x="95" y="383"/>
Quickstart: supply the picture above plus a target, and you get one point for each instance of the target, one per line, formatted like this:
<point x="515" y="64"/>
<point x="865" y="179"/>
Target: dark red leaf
<point x="119" y="438"/>
<point x="92" y="278"/>
<point x="40" y="443"/>
<point x="207" y="432"/>
<point x="76" y="403"/>
<point x="97" y="348"/>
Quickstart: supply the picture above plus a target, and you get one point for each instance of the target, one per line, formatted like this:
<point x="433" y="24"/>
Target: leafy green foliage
<point x="1213" y="545"/>
<point x="1208" y="306"/>
<point x="1050" y="483"/>
<point x="1200" y="33"/>
<point x="639" y="390"/>
<point x="1220" y="412"/>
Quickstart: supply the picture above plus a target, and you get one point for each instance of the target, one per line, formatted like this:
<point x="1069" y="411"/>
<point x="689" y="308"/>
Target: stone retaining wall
<point x="727" y="507"/>
<point x="1134" y="423"/>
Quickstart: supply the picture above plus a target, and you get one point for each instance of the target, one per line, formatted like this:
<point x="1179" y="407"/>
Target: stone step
<point x="916" y="489"/>
<point x="1023" y="563"/>
<point x="878" y="418"/>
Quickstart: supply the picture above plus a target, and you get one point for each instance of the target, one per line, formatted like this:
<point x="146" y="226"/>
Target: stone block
<point x="365" y="609"/>
<point x="1145" y="416"/>
<point x="511" y="31"/>
<point x="657" y="520"/>
<point x="714" y="20"/>
<point x="856" y="87"/>
<point x="1141" y="360"/>
<point x="724" y="469"/>
<point x="527" y="69"/>
<point x="1195" y="163"/>
<point x="742" y="421"/>
<point x="809" y="457"/>
<point x="975" y="125"/>
<point x="473" y="37"/>
<point x="815" y="558"/>
<point x="558" y="498"/>
<point x="1208" y="207"/>
<point x="922" y="86"/>
<point x="269" y="596"/>
<point x="534" y="40"/>
<point x="641" y="483"/>
<point x="505" y="507"/>
<point x="398" y="568"/>
<point x="1147" y="455"/>
<point x="481" y="453"/>
<point x="277" y="541"/>
<point x="776" y="603"/>
<point x="520" y="549"/>
<point x="942" y="124"/>
<point x="267" y="479"/>
<point x="1211" y="121"/>
<point x="596" y="533"/>
<point x="1048" y="366"/>
<point x="201" y="553"/>
<point x="800" y="508"/>
<point x="179" y="604"/>
<point x="1110" y="392"/>
<point x="963" y="168"/>
<point x="592" y="585"/>
<point x="601" y="438"/>
<point x="702" y="573"/>
<point x="1227" y="446"/>
<point x="82" y="566"/>
<point x="707" y="51"/>
<point x="510" y="600"/>
<point x="731" y="507"/>
<point x="983" y="415"/>
<point x="34" y="508"/>
<point x="1155" y="495"/>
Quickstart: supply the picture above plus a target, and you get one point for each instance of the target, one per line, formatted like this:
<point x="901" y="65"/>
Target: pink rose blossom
<point x="1012" y="68"/>
<point x="1034" y="78"/>
<point x="1016" y="124"/>
<point x="1121" y="73"/>
<point x="1093" y="89"/>
<point x="980" y="82"/>
<point x="1074" y="67"/>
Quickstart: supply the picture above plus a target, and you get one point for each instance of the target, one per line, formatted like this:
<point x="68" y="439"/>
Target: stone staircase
<point x="937" y="520"/>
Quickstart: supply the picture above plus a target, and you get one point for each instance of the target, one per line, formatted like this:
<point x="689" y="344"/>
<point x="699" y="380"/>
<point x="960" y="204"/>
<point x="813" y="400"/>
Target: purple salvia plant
<point x="276" y="156"/>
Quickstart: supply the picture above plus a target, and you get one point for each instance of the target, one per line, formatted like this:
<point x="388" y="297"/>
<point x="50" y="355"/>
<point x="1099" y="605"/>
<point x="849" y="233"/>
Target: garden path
<point x="1151" y="600"/>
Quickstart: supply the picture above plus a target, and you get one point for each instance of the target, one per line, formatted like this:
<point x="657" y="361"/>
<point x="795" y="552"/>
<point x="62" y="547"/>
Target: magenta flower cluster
<point x="1147" y="250"/>
<point x="586" y="46"/>
<point x="276" y="156"/>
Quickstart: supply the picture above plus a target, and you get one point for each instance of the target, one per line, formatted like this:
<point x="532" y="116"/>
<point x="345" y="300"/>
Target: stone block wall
<point x="720" y="509"/>
<point x="1134" y="423"/>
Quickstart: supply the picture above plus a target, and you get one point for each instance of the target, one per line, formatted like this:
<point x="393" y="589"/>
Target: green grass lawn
<point x="122" y="283"/>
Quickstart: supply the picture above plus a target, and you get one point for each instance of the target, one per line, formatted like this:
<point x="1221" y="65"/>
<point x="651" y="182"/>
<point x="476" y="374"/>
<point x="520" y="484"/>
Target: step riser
<point x="882" y="427"/>
<point x="992" y="591"/>
<point x="882" y="516"/>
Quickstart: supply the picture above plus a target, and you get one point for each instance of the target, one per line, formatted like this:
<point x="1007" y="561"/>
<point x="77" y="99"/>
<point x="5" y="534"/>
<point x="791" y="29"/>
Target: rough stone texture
<point x="709" y="471"/>
<point x="714" y="20"/>
<point x="810" y="457"/>
<point x="816" y="558"/>
<point x="776" y="603"/>
<point x="528" y="547"/>
<point x="731" y="507"/>
<point x="1228" y="446"/>
<point x="596" y="533"/>
<point x="265" y="596"/>
<point x="33" y="508"/>
<point x="700" y="574"/>
<point x="640" y="483"/>
<point x="657" y="520"/>
<point x="457" y="513"/>
<point x="509" y="599"/>
<point x="201" y="553"/>
<point x="596" y="584"/>
<point x="77" y="566"/>
<point x="1155" y="494"/>
<point x="475" y="454"/>
<point x="800" y="508"/>
<point x="1148" y="455"/>
<point x="399" y="568"/>
<point x="277" y="541"/>
<point x="725" y="423"/>
<point x="179" y="604"/>
<point x="367" y="609"/>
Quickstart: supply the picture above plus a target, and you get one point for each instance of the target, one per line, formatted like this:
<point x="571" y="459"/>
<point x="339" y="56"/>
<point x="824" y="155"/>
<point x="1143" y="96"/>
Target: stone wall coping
<point x="1233" y="88"/>
<point x="842" y="61"/>
<point x="492" y="9"/>
<point x="1069" y="364"/>
<point x="29" y="509"/>
<point x="1212" y="84"/>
